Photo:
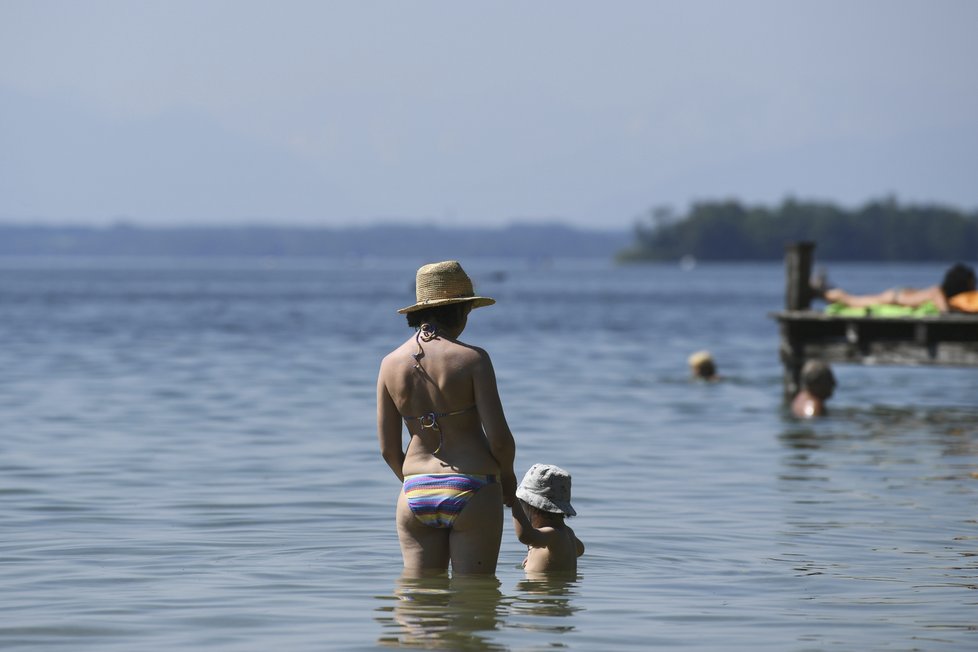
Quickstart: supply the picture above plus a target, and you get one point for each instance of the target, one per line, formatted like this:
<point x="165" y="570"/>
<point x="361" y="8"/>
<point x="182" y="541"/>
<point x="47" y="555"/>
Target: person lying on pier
<point x="817" y="385"/>
<point x="955" y="293"/>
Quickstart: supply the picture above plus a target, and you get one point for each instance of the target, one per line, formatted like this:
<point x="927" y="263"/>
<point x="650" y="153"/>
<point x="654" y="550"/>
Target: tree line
<point x="880" y="230"/>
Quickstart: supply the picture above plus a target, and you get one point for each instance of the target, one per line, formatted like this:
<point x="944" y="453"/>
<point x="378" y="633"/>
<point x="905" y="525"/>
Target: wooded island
<point x="878" y="231"/>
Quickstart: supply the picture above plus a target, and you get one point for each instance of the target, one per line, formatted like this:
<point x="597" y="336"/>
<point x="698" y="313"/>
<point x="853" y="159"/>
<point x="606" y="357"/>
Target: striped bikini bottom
<point x="438" y="498"/>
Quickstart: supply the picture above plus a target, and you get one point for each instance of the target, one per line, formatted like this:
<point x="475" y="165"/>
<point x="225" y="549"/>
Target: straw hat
<point x="442" y="284"/>
<point x="548" y="488"/>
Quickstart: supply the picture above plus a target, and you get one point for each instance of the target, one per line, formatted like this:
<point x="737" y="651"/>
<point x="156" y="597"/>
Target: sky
<point x="323" y="113"/>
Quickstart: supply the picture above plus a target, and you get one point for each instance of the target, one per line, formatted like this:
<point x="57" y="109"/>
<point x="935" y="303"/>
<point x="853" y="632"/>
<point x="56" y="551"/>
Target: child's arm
<point x="525" y="531"/>
<point x="578" y="544"/>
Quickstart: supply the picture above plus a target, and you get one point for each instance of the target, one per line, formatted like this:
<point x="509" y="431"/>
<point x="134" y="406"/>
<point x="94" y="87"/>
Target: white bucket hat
<point x="548" y="488"/>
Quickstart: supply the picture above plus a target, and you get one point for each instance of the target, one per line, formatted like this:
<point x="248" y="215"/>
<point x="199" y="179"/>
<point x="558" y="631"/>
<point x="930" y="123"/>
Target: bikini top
<point x="429" y="421"/>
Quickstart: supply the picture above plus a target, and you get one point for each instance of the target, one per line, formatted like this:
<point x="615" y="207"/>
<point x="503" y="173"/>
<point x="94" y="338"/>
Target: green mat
<point x="927" y="309"/>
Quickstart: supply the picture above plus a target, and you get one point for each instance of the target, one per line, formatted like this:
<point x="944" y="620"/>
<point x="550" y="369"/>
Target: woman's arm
<point x="389" y="426"/>
<point x="501" y="441"/>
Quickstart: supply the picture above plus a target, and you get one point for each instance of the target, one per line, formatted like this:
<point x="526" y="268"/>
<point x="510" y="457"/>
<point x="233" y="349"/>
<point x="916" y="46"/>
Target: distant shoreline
<point x="551" y="240"/>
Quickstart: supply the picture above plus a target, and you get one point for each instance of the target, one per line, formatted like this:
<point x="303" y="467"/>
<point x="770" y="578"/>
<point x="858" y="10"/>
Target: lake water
<point x="189" y="461"/>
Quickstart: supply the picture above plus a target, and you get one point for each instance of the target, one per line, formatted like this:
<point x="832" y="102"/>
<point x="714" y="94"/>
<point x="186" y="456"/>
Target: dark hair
<point x="531" y="510"/>
<point x="817" y="377"/>
<point x="450" y="316"/>
<point x="960" y="278"/>
<point x="706" y="369"/>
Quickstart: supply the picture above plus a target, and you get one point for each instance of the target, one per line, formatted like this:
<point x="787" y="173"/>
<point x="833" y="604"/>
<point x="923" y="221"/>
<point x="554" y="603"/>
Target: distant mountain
<point x="523" y="240"/>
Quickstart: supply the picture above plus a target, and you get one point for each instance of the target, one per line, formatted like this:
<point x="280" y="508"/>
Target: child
<point x="538" y="518"/>
<point x="817" y="385"/>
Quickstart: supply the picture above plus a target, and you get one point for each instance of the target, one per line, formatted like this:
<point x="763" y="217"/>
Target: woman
<point x="958" y="279"/>
<point x="457" y="471"/>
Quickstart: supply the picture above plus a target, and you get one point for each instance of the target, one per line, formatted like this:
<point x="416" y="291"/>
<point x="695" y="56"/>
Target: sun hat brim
<point x="444" y="284"/>
<point x="545" y="504"/>
<point x="477" y="302"/>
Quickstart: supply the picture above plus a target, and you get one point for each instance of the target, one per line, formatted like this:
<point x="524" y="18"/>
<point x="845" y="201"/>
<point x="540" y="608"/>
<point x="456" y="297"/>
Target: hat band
<point x="457" y="296"/>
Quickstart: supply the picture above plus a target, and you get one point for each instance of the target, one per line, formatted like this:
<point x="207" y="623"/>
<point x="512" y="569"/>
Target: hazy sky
<point x="211" y="112"/>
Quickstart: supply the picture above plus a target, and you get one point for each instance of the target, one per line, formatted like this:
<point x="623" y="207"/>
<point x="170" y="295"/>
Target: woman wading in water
<point x="457" y="471"/>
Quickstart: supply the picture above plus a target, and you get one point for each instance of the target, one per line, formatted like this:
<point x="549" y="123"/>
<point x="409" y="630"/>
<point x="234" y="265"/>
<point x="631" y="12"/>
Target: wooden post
<point x="798" y="274"/>
<point x="797" y="296"/>
<point x="792" y="358"/>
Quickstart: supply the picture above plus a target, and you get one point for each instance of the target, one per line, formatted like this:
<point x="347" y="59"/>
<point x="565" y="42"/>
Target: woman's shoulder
<point x="473" y="355"/>
<point x="478" y="350"/>
<point x="398" y="353"/>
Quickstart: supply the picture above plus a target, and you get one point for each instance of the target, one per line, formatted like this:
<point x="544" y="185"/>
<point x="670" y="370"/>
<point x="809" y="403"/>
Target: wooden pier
<point x="947" y="339"/>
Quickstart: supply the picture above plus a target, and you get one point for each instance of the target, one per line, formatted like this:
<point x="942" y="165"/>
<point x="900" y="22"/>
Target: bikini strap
<point x="426" y="333"/>
<point x="429" y="421"/>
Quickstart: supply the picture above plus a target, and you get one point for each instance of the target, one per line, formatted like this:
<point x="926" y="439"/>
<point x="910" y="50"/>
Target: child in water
<point x="538" y="518"/>
<point x="817" y="386"/>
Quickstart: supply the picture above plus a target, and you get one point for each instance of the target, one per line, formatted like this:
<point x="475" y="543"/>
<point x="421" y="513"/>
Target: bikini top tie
<point x="429" y="421"/>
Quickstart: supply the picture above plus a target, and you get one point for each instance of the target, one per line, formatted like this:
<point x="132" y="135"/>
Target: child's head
<point x="817" y="378"/>
<point x="547" y="488"/>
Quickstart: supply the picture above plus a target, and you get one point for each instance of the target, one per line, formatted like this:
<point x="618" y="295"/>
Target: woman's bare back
<point x="432" y="386"/>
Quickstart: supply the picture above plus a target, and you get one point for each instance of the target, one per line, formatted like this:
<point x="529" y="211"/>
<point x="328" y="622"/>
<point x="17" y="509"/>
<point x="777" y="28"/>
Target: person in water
<point x="959" y="280"/>
<point x="817" y="386"/>
<point x="538" y="519"/>
<point x="457" y="470"/>
<point x="702" y="366"/>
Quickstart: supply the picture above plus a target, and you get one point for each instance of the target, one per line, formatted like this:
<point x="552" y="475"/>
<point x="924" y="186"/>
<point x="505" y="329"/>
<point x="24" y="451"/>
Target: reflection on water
<point x="443" y="613"/>
<point x="953" y="430"/>
<point x="870" y="490"/>
<point x="547" y="596"/>
<point x="469" y="612"/>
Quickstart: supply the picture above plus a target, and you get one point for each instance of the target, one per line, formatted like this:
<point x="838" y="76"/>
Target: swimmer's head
<point x="817" y="378"/>
<point x="701" y="365"/>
